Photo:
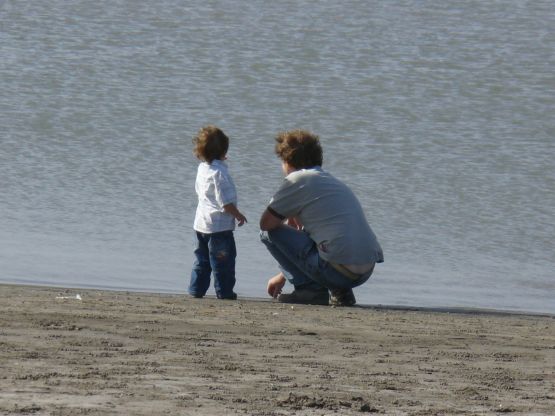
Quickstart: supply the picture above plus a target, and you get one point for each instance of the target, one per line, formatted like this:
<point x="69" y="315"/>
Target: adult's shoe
<point x="304" y="296"/>
<point x="342" y="297"/>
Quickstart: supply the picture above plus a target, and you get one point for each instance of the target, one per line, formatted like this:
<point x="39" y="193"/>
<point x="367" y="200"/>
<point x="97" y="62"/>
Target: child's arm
<point x="232" y="209"/>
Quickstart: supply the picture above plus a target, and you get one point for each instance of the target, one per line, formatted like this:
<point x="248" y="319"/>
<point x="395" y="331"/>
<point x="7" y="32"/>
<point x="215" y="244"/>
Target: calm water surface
<point x="439" y="114"/>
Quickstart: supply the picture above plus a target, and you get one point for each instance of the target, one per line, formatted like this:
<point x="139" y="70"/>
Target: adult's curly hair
<point x="299" y="148"/>
<point x="210" y="144"/>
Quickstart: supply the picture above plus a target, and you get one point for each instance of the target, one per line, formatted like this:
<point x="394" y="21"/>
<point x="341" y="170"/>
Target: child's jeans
<point x="215" y="253"/>
<point x="300" y="261"/>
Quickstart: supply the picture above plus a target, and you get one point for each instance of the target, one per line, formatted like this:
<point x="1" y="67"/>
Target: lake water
<point x="439" y="114"/>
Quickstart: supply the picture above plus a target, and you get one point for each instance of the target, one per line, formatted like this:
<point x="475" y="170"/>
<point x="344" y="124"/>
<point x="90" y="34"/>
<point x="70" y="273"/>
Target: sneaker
<point x="342" y="297"/>
<point x="304" y="296"/>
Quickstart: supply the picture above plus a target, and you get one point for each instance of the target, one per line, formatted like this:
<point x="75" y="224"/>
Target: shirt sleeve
<point x="224" y="190"/>
<point x="288" y="201"/>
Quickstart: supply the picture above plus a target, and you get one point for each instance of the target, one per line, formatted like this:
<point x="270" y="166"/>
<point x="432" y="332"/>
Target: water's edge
<point x="378" y="307"/>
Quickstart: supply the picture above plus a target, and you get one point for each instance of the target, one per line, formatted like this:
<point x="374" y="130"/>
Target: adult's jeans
<point x="214" y="254"/>
<point x="300" y="261"/>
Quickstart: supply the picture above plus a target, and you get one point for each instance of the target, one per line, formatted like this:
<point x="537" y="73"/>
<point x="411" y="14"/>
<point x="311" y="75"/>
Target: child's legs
<point x="200" y="275"/>
<point x="222" y="260"/>
<point x="296" y="254"/>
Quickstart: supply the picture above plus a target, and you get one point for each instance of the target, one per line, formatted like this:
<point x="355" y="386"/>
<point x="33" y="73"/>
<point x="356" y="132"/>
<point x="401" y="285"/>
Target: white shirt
<point x="214" y="188"/>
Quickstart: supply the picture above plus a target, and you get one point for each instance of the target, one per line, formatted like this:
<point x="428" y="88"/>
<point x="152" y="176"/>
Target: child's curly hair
<point x="210" y="144"/>
<point x="299" y="148"/>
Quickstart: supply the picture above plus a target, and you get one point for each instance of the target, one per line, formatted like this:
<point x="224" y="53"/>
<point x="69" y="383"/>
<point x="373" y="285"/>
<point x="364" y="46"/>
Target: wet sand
<point x="120" y="353"/>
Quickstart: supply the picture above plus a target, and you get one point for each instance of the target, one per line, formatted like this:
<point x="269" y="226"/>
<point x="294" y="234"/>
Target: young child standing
<point x="215" y="217"/>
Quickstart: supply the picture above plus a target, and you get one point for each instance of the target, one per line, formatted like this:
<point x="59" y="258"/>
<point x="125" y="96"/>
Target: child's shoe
<point x="233" y="296"/>
<point x="196" y="296"/>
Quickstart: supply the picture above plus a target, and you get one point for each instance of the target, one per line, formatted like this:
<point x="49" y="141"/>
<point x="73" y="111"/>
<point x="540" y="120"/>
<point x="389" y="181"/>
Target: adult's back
<point x="331" y="215"/>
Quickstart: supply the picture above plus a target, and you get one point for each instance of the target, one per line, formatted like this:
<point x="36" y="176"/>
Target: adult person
<point x="315" y="228"/>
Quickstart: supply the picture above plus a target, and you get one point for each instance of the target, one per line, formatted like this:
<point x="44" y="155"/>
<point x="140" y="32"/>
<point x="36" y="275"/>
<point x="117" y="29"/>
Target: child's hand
<point x="241" y="219"/>
<point x="232" y="209"/>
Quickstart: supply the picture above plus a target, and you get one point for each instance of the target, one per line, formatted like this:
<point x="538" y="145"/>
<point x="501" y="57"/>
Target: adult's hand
<point x="275" y="284"/>
<point x="295" y="222"/>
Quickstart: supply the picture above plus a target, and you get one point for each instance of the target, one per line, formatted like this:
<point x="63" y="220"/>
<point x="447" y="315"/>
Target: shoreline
<point x="120" y="352"/>
<point x="470" y="310"/>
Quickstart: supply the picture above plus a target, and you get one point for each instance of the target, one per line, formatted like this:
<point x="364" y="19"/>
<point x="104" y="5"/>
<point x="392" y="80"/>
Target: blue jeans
<point x="300" y="261"/>
<point x="215" y="253"/>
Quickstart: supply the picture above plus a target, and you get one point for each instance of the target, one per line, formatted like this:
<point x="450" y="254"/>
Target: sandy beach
<point x="73" y="352"/>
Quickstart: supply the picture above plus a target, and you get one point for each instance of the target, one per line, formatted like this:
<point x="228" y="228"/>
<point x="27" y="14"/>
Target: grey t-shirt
<point x="330" y="213"/>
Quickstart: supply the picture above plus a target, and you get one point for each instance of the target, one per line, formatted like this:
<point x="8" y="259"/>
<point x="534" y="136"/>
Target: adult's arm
<point x="270" y="220"/>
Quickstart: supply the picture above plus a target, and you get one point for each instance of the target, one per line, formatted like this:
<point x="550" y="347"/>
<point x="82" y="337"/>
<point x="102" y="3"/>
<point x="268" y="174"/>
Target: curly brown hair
<point x="299" y="148"/>
<point x="210" y="144"/>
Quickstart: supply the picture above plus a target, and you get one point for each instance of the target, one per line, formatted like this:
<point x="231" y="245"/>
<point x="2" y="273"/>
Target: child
<point x="215" y="217"/>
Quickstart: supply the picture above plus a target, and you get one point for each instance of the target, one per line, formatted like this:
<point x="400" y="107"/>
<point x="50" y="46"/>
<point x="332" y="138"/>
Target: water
<point x="439" y="115"/>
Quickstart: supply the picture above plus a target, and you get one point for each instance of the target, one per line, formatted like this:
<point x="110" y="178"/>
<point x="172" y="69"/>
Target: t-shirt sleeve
<point x="288" y="200"/>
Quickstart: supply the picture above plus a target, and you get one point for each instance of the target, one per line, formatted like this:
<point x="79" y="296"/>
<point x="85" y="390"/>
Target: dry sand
<point x="119" y="353"/>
